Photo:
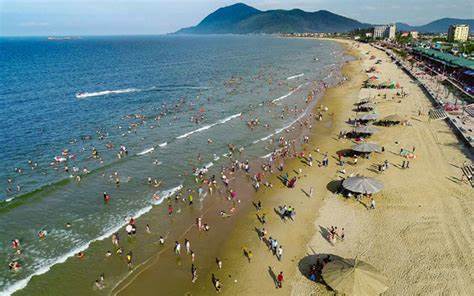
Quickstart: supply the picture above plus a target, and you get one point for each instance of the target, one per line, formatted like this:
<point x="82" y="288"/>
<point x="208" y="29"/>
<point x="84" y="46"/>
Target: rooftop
<point x="446" y="58"/>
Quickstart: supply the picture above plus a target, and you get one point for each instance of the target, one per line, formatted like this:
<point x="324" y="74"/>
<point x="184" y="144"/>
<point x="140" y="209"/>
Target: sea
<point x="173" y="103"/>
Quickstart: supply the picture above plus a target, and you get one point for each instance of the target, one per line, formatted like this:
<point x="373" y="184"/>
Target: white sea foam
<point x="209" y="126"/>
<point x="264" y="138"/>
<point x="167" y="194"/>
<point x="146" y="151"/>
<point x="196" y="131"/>
<point x="230" y="118"/>
<point x="163" y="144"/>
<point x="295" y="76"/>
<point x="106" y="92"/>
<point x="288" y="94"/>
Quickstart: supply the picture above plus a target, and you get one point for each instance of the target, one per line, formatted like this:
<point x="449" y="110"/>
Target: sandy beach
<point x="419" y="235"/>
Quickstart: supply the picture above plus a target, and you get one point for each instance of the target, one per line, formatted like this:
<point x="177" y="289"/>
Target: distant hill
<point x="438" y="26"/>
<point x="243" y="19"/>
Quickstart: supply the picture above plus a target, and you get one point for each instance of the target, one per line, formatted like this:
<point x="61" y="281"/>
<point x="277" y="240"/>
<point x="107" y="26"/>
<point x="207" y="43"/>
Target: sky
<point x="123" y="17"/>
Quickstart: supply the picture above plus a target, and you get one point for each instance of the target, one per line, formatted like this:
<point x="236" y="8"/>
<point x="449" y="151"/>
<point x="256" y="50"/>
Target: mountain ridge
<point x="240" y="18"/>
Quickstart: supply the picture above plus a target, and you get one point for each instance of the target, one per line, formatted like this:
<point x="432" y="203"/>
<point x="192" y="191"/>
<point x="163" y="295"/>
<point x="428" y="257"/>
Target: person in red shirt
<point x="280" y="279"/>
<point x="106" y="197"/>
<point x="170" y="210"/>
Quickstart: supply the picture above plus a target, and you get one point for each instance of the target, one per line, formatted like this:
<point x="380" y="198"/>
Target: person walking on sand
<point x="193" y="273"/>
<point x="311" y="190"/>
<point x="129" y="259"/>
<point x="177" y="248"/>
<point x="187" y="245"/>
<point x="219" y="263"/>
<point x="280" y="280"/>
<point x="372" y="203"/>
<point x="279" y="253"/>
<point x="216" y="283"/>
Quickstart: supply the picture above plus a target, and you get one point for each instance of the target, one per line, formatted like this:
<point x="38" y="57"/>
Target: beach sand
<point x="419" y="235"/>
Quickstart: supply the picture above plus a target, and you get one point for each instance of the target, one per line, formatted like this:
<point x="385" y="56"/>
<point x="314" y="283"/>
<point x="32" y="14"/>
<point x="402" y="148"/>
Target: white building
<point x="458" y="33"/>
<point x="385" y="32"/>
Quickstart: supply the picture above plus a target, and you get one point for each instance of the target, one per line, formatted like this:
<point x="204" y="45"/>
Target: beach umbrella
<point x="368" y="117"/>
<point x="367" y="105"/>
<point x="367" y="147"/>
<point x="393" y="118"/>
<point x="362" y="102"/>
<point x="354" y="277"/>
<point x="364" y="185"/>
<point x="365" y="130"/>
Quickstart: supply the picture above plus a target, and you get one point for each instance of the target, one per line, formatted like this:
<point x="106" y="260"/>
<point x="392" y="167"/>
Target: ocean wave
<point x="167" y="194"/>
<point x="107" y="233"/>
<point x="295" y="76"/>
<point x="83" y="95"/>
<point x="206" y="127"/>
<point x="106" y="92"/>
<point x="163" y="144"/>
<point x="288" y="94"/>
<point x="264" y="138"/>
<point x="230" y="118"/>
<point x="146" y="151"/>
<point x="46" y="266"/>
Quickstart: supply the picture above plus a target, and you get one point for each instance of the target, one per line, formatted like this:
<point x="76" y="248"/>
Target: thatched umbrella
<point x="364" y="185"/>
<point x="354" y="277"/>
<point x="367" y="147"/>
<point x="365" y="130"/>
<point x="368" y="117"/>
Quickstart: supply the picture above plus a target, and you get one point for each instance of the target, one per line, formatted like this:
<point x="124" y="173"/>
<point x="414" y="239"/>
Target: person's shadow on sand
<point x="273" y="276"/>
<point x="324" y="233"/>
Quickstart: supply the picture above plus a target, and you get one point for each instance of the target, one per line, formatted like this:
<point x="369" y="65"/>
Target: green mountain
<point x="243" y="19"/>
<point x="437" y="26"/>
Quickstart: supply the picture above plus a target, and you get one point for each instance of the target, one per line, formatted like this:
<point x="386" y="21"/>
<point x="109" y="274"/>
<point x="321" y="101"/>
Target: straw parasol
<point x="365" y="130"/>
<point x="354" y="277"/>
<point x="360" y="184"/>
<point x="368" y="117"/>
<point x="392" y="118"/>
<point x="367" y="147"/>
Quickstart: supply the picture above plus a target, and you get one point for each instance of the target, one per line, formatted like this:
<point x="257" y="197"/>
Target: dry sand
<point x="421" y="233"/>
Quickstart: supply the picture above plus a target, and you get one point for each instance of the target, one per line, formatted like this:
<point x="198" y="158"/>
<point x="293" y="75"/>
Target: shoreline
<point x="96" y="248"/>
<point x="240" y="271"/>
<point x="420" y="235"/>
<point x="154" y="270"/>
